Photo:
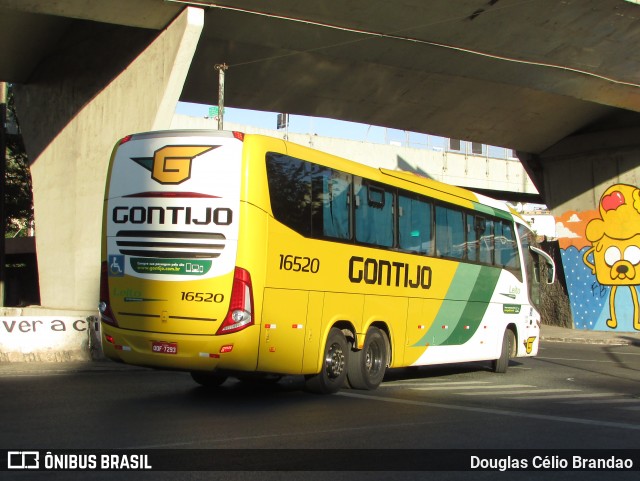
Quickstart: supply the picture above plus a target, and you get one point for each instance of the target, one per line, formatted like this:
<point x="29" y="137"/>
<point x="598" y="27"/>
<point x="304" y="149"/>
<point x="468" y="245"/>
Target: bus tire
<point x="208" y="379"/>
<point x="334" y="365"/>
<point x="501" y="364"/>
<point x="367" y="366"/>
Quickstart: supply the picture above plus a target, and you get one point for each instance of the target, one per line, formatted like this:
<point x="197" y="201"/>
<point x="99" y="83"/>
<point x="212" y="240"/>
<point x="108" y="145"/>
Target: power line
<point x="396" y="37"/>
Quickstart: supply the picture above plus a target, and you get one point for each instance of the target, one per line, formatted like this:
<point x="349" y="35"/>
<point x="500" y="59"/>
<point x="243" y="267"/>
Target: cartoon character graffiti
<point x="615" y="238"/>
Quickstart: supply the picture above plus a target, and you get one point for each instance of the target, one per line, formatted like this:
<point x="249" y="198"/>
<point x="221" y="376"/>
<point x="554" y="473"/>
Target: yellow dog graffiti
<point x="615" y="237"/>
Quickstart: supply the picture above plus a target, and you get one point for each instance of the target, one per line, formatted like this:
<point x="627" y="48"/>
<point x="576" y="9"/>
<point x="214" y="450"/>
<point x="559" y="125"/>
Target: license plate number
<point x="163" y="347"/>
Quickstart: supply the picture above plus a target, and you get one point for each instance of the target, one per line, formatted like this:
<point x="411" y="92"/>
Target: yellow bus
<point x="226" y="254"/>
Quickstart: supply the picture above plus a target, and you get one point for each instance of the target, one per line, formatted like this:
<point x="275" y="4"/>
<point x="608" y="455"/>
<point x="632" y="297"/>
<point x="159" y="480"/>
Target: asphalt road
<point x="572" y="396"/>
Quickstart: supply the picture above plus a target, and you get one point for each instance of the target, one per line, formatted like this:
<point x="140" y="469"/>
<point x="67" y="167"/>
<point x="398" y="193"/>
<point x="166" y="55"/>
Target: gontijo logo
<point x="171" y="164"/>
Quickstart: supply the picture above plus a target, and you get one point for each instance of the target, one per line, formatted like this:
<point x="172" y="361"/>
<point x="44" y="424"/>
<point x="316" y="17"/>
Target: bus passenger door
<point x="282" y="336"/>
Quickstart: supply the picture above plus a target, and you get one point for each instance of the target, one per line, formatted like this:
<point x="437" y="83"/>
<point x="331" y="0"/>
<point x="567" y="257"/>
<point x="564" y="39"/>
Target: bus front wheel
<point x="334" y="365"/>
<point x="368" y="365"/>
<point x="508" y="351"/>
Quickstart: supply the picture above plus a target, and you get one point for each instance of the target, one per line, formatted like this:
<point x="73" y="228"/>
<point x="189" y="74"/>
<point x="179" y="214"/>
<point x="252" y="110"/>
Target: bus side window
<point x="331" y="206"/>
<point x="507" y="248"/>
<point x="531" y="265"/>
<point x="499" y="243"/>
<point x="414" y="225"/>
<point x="373" y="214"/>
<point x="486" y="243"/>
<point x="450" y="232"/>
<point x="472" y="237"/>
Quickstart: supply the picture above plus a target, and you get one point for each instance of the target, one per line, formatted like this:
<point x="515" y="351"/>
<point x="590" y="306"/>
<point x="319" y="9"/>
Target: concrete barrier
<point x="43" y="335"/>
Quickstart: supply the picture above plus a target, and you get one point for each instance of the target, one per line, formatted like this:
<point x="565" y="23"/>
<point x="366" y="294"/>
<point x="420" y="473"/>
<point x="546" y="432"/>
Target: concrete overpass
<point x="558" y="81"/>
<point x="489" y="172"/>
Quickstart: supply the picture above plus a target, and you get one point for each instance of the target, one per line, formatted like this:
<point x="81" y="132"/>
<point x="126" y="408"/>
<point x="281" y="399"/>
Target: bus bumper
<point x="233" y="352"/>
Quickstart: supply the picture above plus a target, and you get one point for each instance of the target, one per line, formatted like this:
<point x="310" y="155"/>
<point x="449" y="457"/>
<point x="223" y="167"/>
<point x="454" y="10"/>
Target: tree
<point x="18" y="194"/>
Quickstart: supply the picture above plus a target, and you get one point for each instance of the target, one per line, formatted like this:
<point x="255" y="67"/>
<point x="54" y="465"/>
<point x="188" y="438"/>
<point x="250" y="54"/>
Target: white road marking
<point x="605" y="401"/>
<point x="421" y="382"/>
<point x="439" y="387"/>
<point x="519" y="393"/>
<point x="496" y="412"/>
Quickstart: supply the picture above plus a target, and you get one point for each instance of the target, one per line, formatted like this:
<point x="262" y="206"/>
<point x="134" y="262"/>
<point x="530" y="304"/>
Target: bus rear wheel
<point x="501" y="364"/>
<point x="208" y="379"/>
<point x="367" y="366"/>
<point x="334" y="365"/>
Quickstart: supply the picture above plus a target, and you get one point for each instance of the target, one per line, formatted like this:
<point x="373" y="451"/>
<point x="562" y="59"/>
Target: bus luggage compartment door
<point x="282" y="337"/>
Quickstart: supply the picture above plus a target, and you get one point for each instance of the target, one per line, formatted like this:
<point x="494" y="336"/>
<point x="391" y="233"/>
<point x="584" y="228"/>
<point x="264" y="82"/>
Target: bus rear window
<point x="310" y="199"/>
<point x="290" y="191"/>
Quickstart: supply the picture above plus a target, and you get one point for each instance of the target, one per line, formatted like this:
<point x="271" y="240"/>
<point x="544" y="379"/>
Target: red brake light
<point x="106" y="314"/>
<point x="240" y="313"/>
<point x="239" y="135"/>
<point x="125" y="139"/>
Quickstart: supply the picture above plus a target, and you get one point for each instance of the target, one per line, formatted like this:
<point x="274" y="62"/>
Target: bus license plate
<point x="163" y="347"/>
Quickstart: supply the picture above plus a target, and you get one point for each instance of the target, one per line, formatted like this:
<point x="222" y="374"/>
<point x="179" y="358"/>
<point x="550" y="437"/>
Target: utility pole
<point x="221" y="68"/>
<point x="3" y="169"/>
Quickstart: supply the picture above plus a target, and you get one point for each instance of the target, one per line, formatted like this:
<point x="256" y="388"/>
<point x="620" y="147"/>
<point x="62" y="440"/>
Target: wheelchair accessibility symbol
<point x="116" y="266"/>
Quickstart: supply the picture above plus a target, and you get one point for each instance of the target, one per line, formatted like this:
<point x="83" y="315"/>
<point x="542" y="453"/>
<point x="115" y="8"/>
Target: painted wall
<point x="601" y="258"/>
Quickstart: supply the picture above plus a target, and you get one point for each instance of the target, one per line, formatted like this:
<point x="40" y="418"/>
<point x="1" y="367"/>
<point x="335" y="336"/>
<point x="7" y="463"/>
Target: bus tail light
<point x="106" y="314"/>
<point x="238" y="135"/>
<point x="240" y="313"/>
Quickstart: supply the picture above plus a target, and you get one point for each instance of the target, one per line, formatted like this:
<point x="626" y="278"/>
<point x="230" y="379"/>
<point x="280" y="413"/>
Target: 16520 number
<point x="202" y="297"/>
<point x="299" y="264"/>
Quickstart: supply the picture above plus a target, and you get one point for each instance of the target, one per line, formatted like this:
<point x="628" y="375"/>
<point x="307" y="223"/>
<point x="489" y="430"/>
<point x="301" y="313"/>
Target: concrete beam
<point x="152" y="14"/>
<point x="573" y="174"/>
<point x="106" y="81"/>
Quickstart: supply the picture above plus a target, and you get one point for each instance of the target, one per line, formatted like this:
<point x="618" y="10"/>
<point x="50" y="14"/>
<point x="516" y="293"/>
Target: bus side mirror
<point x="551" y="266"/>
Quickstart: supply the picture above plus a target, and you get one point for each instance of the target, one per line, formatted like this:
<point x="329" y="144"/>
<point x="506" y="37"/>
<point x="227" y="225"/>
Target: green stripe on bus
<point x="466" y="303"/>
<point x="476" y="307"/>
<point x="485" y="209"/>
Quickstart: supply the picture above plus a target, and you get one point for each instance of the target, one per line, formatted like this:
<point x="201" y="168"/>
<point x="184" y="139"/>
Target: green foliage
<point x="18" y="193"/>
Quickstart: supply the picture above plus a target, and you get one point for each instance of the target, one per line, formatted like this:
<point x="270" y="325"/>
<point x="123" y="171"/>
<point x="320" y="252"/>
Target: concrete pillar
<point x="101" y="83"/>
<point x="579" y="168"/>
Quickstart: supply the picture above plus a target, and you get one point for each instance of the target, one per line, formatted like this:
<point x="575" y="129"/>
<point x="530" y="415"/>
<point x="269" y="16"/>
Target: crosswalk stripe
<point x="519" y="393"/>
<point x="494" y="411"/>
<point x="422" y="383"/>
<point x="453" y="388"/>
<point x="604" y="401"/>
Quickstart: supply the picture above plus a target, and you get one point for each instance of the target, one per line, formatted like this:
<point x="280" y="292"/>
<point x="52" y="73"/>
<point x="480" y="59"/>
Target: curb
<point x="584" y="340"/>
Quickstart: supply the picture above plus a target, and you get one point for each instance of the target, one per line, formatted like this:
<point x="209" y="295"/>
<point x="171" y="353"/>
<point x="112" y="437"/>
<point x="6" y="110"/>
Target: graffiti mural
<point x="601" y="257"/>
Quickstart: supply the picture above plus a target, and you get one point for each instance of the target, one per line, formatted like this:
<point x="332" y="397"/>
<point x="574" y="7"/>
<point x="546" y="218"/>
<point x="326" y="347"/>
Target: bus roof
<point x="460" y="192"/>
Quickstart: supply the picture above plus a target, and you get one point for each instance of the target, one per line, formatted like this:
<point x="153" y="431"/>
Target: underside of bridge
<point x="557" y="81"/>
<point x="519" y="74"/>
